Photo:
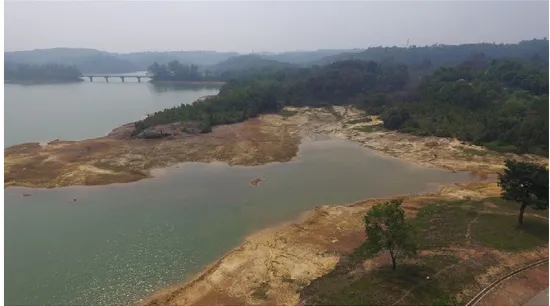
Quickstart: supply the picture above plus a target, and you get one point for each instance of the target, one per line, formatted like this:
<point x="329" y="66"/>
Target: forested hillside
<point x="245" y="62"/>
<point x="502" y="104"/>
<point x="86" y="60"/>
<point x="24" y="73"/>
<point x="420" y="60"/>
<point x="304" y="57"/>
<point x="432" y="57"/>
<point x="96" y="61"/>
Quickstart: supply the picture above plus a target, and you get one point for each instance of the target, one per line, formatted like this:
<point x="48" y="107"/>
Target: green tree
<point x="525" y="183"/>
<point x="387" y="229"/>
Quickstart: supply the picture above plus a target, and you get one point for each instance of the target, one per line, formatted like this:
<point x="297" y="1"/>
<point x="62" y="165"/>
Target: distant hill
<point x="442" y="55"/>
<point x="86" y="60"/>
<point x="303" y="57"/>
<point x="96" y="61"/>
<point x="424" y="59"/>
<point x="247" y="62"/>
<point x="200" y="58"/>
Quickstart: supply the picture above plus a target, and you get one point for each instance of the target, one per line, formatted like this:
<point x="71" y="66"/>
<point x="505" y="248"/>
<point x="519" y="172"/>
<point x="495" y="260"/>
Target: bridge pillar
<point x="106" y="79"/>
<point x="122" y="78"/>
<point x="139" y="79"/>
<point x="91" y="79"/>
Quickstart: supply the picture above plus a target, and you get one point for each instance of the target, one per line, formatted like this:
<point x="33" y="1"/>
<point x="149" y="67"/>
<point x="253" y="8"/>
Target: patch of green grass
<point x="443" y="224"/>
<point x="287" y="113"/>
<point x="501" y="232"/>
<point x="511" y="206"/>
<point x="439" y="224"/>
<point x="370" y="128"/>
<point x="500" y="147"/>
<point x="385" y="286"/>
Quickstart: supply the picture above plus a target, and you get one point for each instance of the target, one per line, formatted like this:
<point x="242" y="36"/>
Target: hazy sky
<point x="267" y="26"/>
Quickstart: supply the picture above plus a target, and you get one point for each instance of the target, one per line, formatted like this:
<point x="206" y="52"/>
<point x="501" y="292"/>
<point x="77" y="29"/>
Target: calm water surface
<point x="117" y="243"/>
<point x="84" y="110"/>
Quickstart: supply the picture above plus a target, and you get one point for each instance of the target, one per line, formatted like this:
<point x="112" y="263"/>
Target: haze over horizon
<point x="267" y="26"/>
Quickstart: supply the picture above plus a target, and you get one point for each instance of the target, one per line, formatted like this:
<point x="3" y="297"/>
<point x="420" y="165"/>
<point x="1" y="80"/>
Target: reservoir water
<point x="116" y="244"/>
<point x="42" y="113"/>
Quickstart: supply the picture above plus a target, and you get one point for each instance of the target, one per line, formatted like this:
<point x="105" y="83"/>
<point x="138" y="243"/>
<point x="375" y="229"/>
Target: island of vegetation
<point x="483" y="112"/>
<point x="39" y="74"/>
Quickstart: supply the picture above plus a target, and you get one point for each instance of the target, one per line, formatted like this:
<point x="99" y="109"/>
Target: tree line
<point x="501" y="104"/>
<point x="14" y="72"/>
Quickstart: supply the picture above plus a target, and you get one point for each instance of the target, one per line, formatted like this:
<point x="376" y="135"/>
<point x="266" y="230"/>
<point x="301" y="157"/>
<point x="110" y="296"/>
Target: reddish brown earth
<point x="518" y="289"/>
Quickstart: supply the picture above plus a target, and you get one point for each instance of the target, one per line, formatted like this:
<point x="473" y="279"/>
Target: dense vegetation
<point x="502" y="104"/>
<point x="432" y="57"/>
<point x="174" y="71"/>
<point x="235" y="67"/>
<point x="246" y="62"/>
<point x="86" y="60"/>
<point x="24" y="73"/>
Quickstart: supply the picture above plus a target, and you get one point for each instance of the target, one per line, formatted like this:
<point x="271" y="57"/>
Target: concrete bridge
<point x="122" y="77"/>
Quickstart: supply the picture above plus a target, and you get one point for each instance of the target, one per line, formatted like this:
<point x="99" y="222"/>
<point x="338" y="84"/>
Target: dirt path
<point x="519" y="289"/>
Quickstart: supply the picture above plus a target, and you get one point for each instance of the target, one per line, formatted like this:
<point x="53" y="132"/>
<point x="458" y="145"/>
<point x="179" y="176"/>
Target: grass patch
<point x="513" y="207"/>
<point x="500" y="147"/>
<point x="440" y="224"/>
<point x="384" y="286"/>
<point x="285" y="113"/>
<point x="501" y="232"/>
<point x="370" y="128"/>
<point x="443" y="224"/>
